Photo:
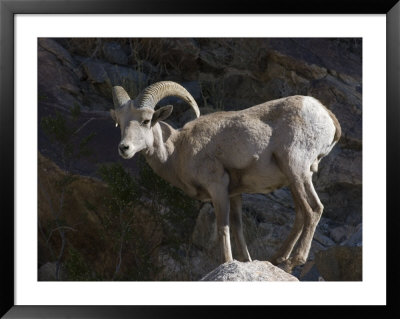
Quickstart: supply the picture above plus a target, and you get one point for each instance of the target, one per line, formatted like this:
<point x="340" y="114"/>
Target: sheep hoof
<point x="277" y="260"/>
<point x="287" y="266"/>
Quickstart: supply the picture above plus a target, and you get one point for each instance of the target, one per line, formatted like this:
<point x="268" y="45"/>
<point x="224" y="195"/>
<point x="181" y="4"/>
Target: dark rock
<point x="95" y="71"/>
<point x="215" y="59"/>
<point x="342" y="203"/>
<point x="322" y="239"/>
<point x="132" y="80"/>
<point x="239" y="91"/>
<point x="341" y="166"/>
<point x="344" y="101"/>
<point x="340" y="263"/>
<point x="52" y="46"/>
<point x="299" y="67"/>
<point x="205" y="231"/>
<point x="57" y="83"/>
<point x="342" y="233"/>
<point x="114" y="53"/>
<point x="105" y="75"/>
<point x="340" y="54"/>
<point x="178" y="56"/>
<point x="356" y="238"/>
<point x="309" y="272"/>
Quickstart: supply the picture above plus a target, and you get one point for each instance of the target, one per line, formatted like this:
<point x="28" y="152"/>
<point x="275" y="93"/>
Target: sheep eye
<point x="145" y="122"/>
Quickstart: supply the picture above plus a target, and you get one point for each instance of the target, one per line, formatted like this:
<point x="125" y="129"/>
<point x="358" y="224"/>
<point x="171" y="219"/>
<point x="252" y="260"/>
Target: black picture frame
<point x="8" y="10"/>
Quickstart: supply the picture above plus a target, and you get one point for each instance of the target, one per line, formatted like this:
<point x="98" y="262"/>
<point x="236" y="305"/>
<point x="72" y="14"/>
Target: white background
<point x="372" y="290"/>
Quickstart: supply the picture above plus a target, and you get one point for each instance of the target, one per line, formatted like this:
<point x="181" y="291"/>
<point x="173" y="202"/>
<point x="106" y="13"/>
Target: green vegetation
<point x="124" y="223"/>
<point x="77" y="268"/>
<point x="180" y="217"/>
<point x="168" y="222"/>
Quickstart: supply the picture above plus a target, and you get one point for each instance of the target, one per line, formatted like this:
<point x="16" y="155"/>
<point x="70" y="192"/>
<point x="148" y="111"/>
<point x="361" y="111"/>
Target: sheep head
<point x="136" y="118"/>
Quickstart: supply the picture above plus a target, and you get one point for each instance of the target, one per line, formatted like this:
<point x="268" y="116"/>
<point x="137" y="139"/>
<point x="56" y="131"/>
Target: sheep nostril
<point x="123" y="147"/>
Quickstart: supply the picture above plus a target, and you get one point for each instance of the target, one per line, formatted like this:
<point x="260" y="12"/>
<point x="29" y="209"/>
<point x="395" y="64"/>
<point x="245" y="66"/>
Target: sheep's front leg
<point x="220" y="199"/>
<point x="237" y="227"/>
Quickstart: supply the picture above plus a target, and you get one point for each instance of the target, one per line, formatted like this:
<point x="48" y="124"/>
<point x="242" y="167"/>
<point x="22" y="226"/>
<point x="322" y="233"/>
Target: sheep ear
<point x="113" y="116"/>
<point x="161" y="114"/>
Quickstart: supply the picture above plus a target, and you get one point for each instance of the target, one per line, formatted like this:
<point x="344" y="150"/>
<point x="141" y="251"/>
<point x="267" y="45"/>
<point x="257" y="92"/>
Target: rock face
<point x="340" y="263"/>
<point x="222" y="75"/>
<point x="114" y="53"/>
<point x="248" y="271"/>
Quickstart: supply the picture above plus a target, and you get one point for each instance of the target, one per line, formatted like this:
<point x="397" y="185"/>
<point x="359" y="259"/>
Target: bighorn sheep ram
<point x="219" y="156"/>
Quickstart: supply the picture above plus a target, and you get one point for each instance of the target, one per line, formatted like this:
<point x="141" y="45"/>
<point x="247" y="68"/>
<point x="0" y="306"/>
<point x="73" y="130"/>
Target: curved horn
<point x="157" y="91"/>
<point x="120" y="97"/>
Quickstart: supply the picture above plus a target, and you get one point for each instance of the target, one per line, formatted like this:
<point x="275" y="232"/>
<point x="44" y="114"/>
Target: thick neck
<point x="158" y="155"/>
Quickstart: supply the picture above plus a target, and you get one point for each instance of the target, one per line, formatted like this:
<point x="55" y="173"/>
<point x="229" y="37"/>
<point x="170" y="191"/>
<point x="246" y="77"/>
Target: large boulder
<point x="103" y="76"/>
<point x="114" y="53"/>
<point x="248" y="271"/>
<point x="355" y="239"/>
<point x="347" y="235"/>
<point x="57" y="76"/>
<point x="58" y="50"/>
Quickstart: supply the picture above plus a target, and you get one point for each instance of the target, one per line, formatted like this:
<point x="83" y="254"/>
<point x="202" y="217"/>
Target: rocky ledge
<point x="248" y="271"/>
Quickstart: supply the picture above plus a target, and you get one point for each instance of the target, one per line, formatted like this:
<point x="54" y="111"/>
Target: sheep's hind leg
<point x="309" y="204"/>
<point x="220" y="200"/>
<point x="237" y="227"/>
<point x="312" y="208"/>
<point x="285" y="250"/>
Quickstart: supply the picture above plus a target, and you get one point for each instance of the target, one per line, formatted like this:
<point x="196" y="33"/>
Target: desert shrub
<point x="179" y="217"/>
<point x="127" y="226"/>
<point x="77" y="268"/>
<point x="169" y="219"/>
